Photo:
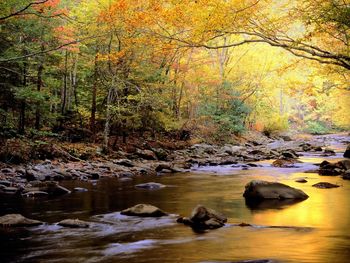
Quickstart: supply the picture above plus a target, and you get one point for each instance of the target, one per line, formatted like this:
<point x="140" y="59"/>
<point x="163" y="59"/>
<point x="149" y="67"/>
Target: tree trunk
<point x="64" y="89"/>
<point x="110" y="96"/>
<point x="38" y="88"/>
<point x="22" y="112"/>
<point x="93" y="102"/>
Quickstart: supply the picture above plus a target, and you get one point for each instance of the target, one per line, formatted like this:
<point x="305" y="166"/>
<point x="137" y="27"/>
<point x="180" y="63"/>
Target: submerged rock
<point x="325" y="185"/>
<point x="150" y="186"/>
<point x="17" y="220"/>
<point x="301" y="180"/>
<point x="73" y="223"/>
<point x="35" y="194"/>
<point x="204" y="218"/>
<point x="143" y="210"/>
<point x="258" y="189"/>
<point x="285" y="163"/>
<point x="52" y="188"/>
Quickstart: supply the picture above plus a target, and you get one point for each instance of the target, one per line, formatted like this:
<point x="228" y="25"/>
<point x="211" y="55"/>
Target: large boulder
<point x="347" y="152"/>
<point x="327" y="168"/>
<point x="258" y="189"/>
<point x="73" y="223"/>
<point x="143" y="210"/>
<point x="204" y="218"/>
<point x="17" y="220"/>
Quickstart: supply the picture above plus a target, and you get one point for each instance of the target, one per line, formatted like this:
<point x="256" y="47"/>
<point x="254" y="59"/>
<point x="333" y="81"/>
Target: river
<point x="314" y="230"/>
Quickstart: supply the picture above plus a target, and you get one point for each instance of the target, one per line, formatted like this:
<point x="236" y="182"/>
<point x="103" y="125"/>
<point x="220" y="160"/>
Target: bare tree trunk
<point x="22" y="113"/>
<point x="64" y="89"/>
<point x="110" y="96"/>
<point x="93" y="102"/>
<point x="281" y="102"/>
<point x="38" y="88"/>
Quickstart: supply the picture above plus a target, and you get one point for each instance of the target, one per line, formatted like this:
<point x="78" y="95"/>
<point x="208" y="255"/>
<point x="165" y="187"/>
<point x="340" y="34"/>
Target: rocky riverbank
<point x="42" y="178"/>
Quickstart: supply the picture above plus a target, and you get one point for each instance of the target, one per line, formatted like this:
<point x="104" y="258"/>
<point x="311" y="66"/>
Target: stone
<point x="301" y="180"/>
<point x="290" y="154"/>
<point x="325" y="185"/>
<point x="150" y="186"/>
<point x="17" y="220"/>
<point x="73" y="223"/>
<point x="344" y="164"/>
<point x="80" y="189"/>
<point x="143" y="210"/>
<point x="204" y="218"/>
<point x="347" y="152"/>
<point x="146" y="154"/>
<point x="331" y="169"/>
<point x="346" y="175"/>
<point x="124" y="162"/>
<point x="258" y="189"/>
<point x="10" y="190"/>
<point x="284" y="163"/>
<point x="328" y="152"/>
<point x="52" y="188"/>
<point x="35" y="194"/>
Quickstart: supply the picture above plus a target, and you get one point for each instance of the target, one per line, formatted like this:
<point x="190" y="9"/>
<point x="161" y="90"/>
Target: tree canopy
<point x="215" y="67"/>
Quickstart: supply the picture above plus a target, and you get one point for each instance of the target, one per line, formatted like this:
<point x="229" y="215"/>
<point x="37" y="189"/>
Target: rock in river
<point x="204" y="218"/>
<point x="258" y="189"/>
<point x="144" y="210"/>
<point x="150" y="186"/>
<point x="73" y="223"/>
<point x="325" y="185"/>
<point x="17" y="220"/>
<point x="347" y="152"/>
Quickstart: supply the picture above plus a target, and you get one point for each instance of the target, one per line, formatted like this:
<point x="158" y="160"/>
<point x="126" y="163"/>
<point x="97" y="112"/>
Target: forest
<point x="174" y="131"/>
<point x="110" y="70"/>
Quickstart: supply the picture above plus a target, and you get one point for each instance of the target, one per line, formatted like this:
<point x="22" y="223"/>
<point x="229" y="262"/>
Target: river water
<point x="314" y="230"/>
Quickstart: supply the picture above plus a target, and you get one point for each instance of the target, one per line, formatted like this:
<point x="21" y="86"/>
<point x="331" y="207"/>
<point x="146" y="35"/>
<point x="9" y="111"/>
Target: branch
<point x="18" y="12"/>
<point x="51" y="49"/>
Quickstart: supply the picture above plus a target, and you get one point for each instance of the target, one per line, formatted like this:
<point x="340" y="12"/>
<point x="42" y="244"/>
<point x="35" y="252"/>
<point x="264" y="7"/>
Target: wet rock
<point x="258" y="189"/>
<point x="244" y="224"/>
<point x="80" y="189"/>
<point x="52" y="188"/>
<point x="346" y="175"/>
<point x="73" y="223"/>
<point x="146" y="154"/>
<point x="204" y="218"/>
<point x="327" y="168"/>
<point x="150" y="186"/>
<point x="10" y="190"/>
<point x="289" y="154"/>
<point x="160" y="153"/>
<point x="285" y="163"/>
<point x="5" y="183"/>
<point x="301" y="180"/>
<point x="143" y="210"/>
<point x="124" y="162"/>
<point x="35" y="194"/>
<point x="325" y="185"/>
<point x="256" y="261"/>
<point x="328" y="152"/>
<point x="228" y="161"/>
<point x="17" y="220"/>
<point x="345" y="164"/>
<point x="6" y="170"/>
<point x="347" y="152"/>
